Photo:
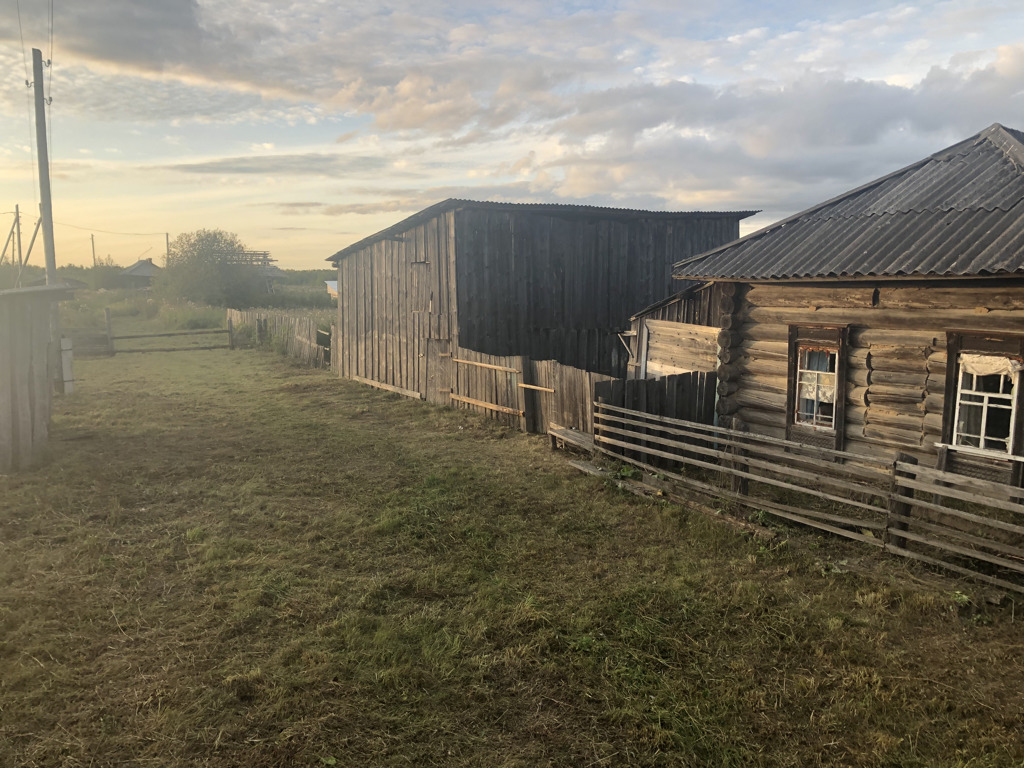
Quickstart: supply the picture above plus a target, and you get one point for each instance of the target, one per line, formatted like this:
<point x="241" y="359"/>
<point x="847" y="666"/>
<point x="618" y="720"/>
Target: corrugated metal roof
<point x="958" y="212"/>
<point x="554" y="209"/>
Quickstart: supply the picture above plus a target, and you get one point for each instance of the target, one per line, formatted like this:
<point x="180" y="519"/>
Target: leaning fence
<point x="969" y="526"/>
<point x="302" y="336"/>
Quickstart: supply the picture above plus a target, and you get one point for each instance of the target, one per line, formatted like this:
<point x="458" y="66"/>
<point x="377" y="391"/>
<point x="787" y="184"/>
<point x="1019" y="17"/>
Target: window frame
<point x="1009" y="345"/>
<point x="831" y="337"/>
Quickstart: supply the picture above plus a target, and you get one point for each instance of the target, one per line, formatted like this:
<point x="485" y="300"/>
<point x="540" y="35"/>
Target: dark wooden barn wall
<point x="896" y="357"/>
<point x="561" y="288"/>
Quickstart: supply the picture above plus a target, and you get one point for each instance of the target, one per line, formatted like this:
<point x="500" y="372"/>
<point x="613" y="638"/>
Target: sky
<point x="306" y="126"/>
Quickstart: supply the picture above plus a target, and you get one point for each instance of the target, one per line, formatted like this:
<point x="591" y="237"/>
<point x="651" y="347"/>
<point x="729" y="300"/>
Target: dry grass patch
<point x="232" y="561"/>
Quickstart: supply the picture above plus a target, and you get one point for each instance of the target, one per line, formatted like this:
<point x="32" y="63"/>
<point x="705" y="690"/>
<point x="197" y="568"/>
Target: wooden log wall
<point x="561" y="287"/>
<point x="896" y="355"/>
<point x="25" y="389"/>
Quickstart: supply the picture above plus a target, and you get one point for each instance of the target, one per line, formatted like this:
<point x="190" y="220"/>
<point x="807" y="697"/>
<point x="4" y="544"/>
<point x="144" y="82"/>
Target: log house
<point x="887" y="320"/>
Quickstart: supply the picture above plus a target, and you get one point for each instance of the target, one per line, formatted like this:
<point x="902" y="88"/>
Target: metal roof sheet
<point x="554" y="209"/>
<point x="958" y="212"/>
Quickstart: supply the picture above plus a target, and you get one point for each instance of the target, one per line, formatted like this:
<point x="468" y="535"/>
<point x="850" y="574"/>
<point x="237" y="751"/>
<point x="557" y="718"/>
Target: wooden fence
<point x="688" y="396"/>
<point x="25" y="365"/>
<point x="523" y="393"/>
<point x="299" y="334"/>
<point x="972" y="527"/>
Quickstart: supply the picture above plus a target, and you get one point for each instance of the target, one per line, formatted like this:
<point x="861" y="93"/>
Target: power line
<point x="106" y="232"/>
<point x="49" y="88"/>
<point x="28" y="96"/>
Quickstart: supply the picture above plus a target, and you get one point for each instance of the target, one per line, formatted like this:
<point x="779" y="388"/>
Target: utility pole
<point x="17" y="230"/>
<point x="167" y="256"/>
<point x="92" y="239"/>
<point x="46" y="212"/>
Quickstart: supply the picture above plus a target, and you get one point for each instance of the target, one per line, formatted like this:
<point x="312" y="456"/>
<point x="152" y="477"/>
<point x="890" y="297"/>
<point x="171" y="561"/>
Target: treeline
<point x="201" y="268"/>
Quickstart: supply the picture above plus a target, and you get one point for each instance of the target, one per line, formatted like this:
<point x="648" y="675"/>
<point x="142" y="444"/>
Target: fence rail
<point x="111" y="339"/>
<point x="969" y="526"/>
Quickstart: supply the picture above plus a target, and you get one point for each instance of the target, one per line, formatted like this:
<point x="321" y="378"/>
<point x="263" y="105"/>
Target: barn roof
<point x="959" y="212"/>
<point x="553" y="209"/>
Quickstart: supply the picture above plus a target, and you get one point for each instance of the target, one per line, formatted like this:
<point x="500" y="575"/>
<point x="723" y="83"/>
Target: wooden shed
<point x="890" y="318"/>
<point x="537" y="281"/>
<point x="26" y="370"/>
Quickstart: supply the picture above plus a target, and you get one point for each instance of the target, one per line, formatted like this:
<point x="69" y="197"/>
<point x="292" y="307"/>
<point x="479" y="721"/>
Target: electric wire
<point x="49" y="95"/>
<point x="107" y="232"/>
<point x="28" y="101"/>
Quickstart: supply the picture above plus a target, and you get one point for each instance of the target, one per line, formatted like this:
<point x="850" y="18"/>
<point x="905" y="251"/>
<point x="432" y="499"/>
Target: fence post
<point x="896" y="506"/>
<point x="110" y="330"/>
<point x="738" y="484"/>
<point x="519" y="393"/>
<point x="231" y="332"/>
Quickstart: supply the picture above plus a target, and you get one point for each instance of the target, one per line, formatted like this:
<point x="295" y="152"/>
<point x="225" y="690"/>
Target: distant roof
<point x="142" y="268"/>
<point x="555" y="209"/>
<point x="959" y="212"/>
<point x="332" y="287"/>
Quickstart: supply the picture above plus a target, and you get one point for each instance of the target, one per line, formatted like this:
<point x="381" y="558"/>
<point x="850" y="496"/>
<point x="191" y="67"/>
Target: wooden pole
<point x="46" y="212"/>
<point x="17" y="225"/>
<point x="110" y="331"/>
<point x="10" y="239"/>
<point x="92" y="240"/>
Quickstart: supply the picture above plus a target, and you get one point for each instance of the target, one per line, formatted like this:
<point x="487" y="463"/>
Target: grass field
<point x="231" y="561"/>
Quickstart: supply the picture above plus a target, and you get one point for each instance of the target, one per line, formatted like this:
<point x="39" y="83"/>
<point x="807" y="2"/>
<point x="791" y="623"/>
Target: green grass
<point x="231" y="561"/>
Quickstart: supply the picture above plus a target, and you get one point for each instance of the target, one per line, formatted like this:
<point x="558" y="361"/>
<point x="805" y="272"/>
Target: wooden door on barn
<point x="438" y="375"/>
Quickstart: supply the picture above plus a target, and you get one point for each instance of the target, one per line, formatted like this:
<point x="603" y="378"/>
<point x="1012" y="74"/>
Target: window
<point x="983" y="393"/>
<point x="986" y="402"/>
<point x="817" y="389"/>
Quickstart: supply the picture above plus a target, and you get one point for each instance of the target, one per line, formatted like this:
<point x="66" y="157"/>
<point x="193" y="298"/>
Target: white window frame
<point x="814" y="423"/>
<point x="1012" y="398"/>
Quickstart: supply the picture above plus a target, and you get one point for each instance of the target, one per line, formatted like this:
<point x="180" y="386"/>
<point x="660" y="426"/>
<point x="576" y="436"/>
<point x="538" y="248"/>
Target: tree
<point x="200" y="268"/>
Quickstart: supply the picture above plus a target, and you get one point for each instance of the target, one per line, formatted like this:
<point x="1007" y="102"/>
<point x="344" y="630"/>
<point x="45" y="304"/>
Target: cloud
<point x="311" y="164"/>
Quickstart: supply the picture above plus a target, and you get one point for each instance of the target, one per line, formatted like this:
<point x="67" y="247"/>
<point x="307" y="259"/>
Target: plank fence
<point x="972" y="527"/>
<point x="529" y="395"/>
<point x="25" y="365"/>
<point x="299" y="333"/>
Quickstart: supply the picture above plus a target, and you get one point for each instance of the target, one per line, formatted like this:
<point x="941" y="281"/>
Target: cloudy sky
<point x="304" y="126"/>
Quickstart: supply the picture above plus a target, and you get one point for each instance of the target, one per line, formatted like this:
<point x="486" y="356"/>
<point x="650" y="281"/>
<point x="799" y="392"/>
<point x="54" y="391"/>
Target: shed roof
<point x="553" y="209"/>
<point x="142" y="268"/>
<point x="956" y="213"/>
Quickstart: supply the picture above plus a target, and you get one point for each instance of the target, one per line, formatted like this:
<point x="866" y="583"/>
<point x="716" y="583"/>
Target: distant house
<point x="890" y="318"/>
<point x="141" y="273"/>
<point x="549" y="282"/>
<point x="332" y="288"/>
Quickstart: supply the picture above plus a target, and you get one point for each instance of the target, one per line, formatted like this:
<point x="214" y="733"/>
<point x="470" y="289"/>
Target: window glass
<point x="985" y="410"/>
<point x="816" y="387"/>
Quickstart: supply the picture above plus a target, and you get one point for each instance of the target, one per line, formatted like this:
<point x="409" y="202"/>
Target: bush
<point x="199" y="269"/>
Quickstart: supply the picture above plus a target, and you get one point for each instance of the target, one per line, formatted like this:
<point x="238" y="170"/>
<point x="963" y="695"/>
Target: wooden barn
<point x="487" y="280"/>
<point x="889" y="319"/>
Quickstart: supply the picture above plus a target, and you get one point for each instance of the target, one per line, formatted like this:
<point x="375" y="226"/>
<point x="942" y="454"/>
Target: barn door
<point x="438" y="377"/>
